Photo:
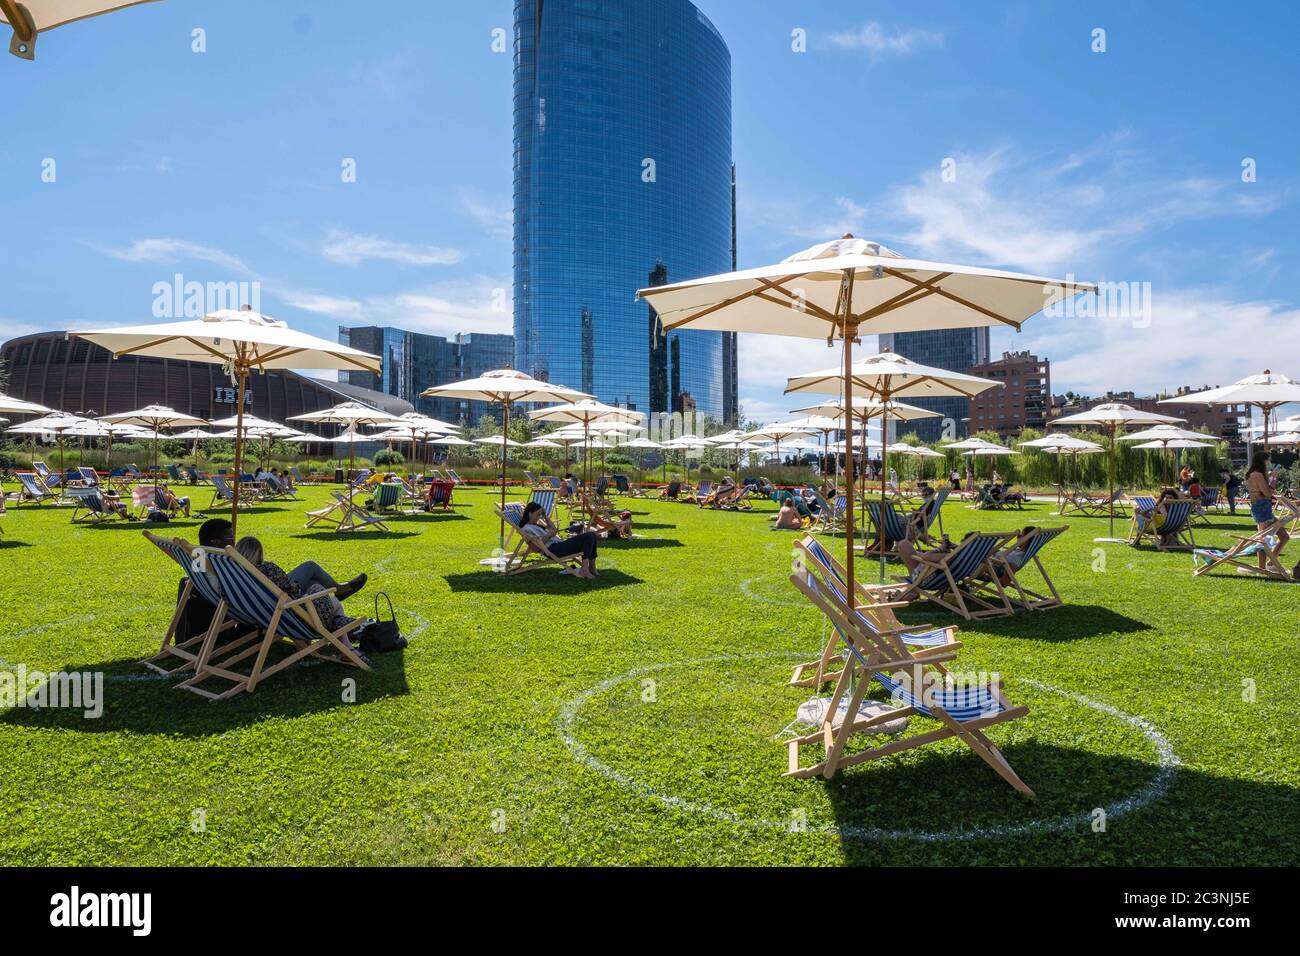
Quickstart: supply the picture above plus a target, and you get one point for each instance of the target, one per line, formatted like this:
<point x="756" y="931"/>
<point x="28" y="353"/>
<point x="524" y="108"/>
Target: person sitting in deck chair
<point x="113" y="502"/>
<point x="721" y="492"/>
<point x="914" y="559"/>
<point x="307" y="579"/>
<point x="1015" y="555"/>
<point x="1155" y="517"/>
<point x="197" y="618"/>
<point x="174" y="502"/>
<point x="535" y="526"/>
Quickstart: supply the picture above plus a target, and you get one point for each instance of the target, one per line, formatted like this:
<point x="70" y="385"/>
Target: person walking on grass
<point x="1260" y="491"/>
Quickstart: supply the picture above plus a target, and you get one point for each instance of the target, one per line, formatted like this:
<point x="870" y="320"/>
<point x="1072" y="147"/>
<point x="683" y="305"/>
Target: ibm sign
<point x="229" y="395"/>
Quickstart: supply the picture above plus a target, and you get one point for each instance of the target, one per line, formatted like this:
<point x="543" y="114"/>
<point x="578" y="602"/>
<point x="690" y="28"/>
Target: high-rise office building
<point x="623" y="178"/>
<point x="413" y="361"/>
<point x="955" y="350"/>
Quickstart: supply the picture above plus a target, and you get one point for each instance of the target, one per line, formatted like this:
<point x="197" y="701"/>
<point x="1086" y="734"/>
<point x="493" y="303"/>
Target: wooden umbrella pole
<point x="501" y="522"/>
<point x="884" y="470"/>
<point x="239" y="447"/>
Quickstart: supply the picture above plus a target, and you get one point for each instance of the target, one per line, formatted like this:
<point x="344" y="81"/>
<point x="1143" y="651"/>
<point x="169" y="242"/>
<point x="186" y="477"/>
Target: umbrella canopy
<point x="349" y="414"/>
<point x="499" y="440"/>
<point x="16" y="406"/>
<point x="448" y="440"/>
<point x="1163" y="433"/>
<point x="154" y="417"/>
<point x="30" y="18"/>
<point x="194" y="434"/>
<point x="1175" y="443"/>
<point x="1111" y="416"/>
<point x="920" y="451"/>
<point x="57" y="423"/>
<point x="976" y="444"/>
<point x="867" y="409"/>
<point x="542" y="443"/>
<point x="642" y="443"/>
<point x="1061" y="443"/>
<point x="1265" y="392"/>
<point x="239" y="339"/>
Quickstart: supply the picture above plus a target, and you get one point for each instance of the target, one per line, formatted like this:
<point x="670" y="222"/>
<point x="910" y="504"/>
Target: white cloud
<point x="494" y="213"/>
<point x="476" y="304"/>
<point x="879" y="42"/>
<point x="173" y="250"/>
<point x="1196" y="336"/>
<point x="351" y="249"/>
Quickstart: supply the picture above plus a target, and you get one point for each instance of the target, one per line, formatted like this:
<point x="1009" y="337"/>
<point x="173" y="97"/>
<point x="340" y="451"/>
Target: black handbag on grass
<point x="379" y="636"/>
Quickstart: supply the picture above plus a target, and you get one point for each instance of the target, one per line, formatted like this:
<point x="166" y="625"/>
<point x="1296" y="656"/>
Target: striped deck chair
<point x="1098" y="506"/>
<point x="950" y="579"/>
<point x="439" y="494"/>
<point x="90" y="507"/>
<point x="222" y="494"/>
<point x="894" y="528"/>
<point x="871" y="613"/>
<point x="545" y="498"/>
<point x="702" y="491"/>
<point x="83" y="477"/>
<point x="387" y="498"/>
<point x="621" y="485"/>
<point x="199" y="583"/>
<point x="528" y="553"/>
<point x="48" y="478"/>
<point x="829" y="518"/>
<point x="1012" y="561"/>
<point x="935" y="504"/>
<point x="192" y="475"/>
<point x="174" y="474"/>
<point x="1176" y="532"/>
<point x="1257" y="555"/>
<point x="31" y="488"/>
<point x="344" y="514"/>
<point x="1209" y="502"/>
<point x="595" y="517"/>
<point x="251" y="599"/>
<point x="672" y="491"/>
<point x="453" y="477"/>
<point x="918" y="686"/>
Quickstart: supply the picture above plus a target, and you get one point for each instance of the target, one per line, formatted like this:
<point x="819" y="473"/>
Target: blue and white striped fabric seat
<point x="513" y="513"/>
<point x="388" y="495"/>
<point x="546" y="499"/>
<point x="253" y="601"/>
<point x="966" y="562"/>
<point x="960" y="703"/>
<point x="202" y="583"/>
<point x="1177" y="516"/>
<point x="895" y="527"/>
<point x="1037" y="542"/>
<point x="835" y="581"/>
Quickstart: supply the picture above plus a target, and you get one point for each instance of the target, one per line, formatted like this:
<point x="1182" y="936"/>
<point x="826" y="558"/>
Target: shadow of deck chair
<point x="343" y="514"/>
<point x="251" y="599"/>
<point x="917" y="687"/>
<point x="1177" y="526"/>
<point x="1013" y="562"/>
<point x="951" y="579"/>
<point x="31" y="488"/>
<point x="871" y="613"/>
<point x="1257" y="555"/>
<point x="894" y="527"/>
<point x="527" y="553"/>
<point x="199" y="584"/>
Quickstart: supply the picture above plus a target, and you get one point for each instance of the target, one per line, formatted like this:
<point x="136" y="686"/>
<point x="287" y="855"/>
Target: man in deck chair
<point x="671" y="492"/>
<point x="893" y="528"/>
<point x="92" y="507"/>
<point x="1013" y="558"/>
<point x="953" y="579"/>
<point x="918" y="684"/>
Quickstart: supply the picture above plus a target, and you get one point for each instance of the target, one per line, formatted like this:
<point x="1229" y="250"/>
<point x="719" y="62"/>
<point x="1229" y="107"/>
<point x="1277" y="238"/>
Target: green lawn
<point x="540" y="719"/>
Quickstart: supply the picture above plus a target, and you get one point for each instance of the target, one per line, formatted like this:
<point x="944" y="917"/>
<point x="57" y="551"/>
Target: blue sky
<point x="1123" y="165"/>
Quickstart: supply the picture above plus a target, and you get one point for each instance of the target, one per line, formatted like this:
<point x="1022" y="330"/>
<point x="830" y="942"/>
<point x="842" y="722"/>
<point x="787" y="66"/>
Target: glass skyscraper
<point x="954" y="350"/>
<point x="414" y="361"/>
<point x="623" y="179"/>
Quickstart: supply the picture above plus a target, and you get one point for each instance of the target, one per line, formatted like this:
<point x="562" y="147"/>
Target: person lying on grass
<point x="306" y="579"/>
<point x="535" y="526"/>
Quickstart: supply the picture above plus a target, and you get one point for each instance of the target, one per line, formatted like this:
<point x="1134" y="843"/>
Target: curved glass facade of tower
<point x="622" y="179"/>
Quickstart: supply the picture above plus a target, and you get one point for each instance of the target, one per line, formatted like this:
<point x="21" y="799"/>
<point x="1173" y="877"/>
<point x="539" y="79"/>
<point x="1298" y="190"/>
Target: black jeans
<point x="584" y="543"/>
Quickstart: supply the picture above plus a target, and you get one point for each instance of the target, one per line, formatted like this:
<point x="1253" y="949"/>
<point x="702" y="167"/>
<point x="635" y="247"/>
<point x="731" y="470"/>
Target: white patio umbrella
<point x="642" y="445"/>
<point x="584" y="412"/>
<point x="55" y="423"/>
<point x="30" y="18"/>
<point x="775" y="433"/>
<point x="887" y="377"/>
<point x="851" y="287"/>
<point x="17" y="406"/>
<point x="1265" y="392"/>
<point x="1163" y="436"/>
<point x="154" y="417"/>
<point x="499" y="440"/>
<point x="542" y="443"/>
<point x="351" y="415"/>
<point x="1109" y="417"/>
<point x="240" y="340"/>
<point x="506" y="387"/>
<point x="1060" y="444"/>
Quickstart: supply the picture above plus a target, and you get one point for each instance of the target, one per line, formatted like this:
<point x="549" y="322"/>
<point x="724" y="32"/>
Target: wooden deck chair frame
<point x="223" y="496"/>
<point x="247" y="596"/>
<point x="593" y="516"/>
<point x="877" y="656"/>
<point x="90" y="507"/>
<point x="671" y="492"/>
<point x="1017" y="591"/>
<point x="343" y="514"/>
<point x="957" y="592"/>
<point x="896" y="532"/>
<point x="31" y="488"/>
<point x="1239" y="555"/>
<point x="872" y="613"/>
<point x="197" y="584"/>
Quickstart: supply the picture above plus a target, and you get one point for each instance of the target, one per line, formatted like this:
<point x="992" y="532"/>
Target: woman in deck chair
<point x="308" y="578"/>
<point x="536" y="527"/>
<point x="1261" y="503"/>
